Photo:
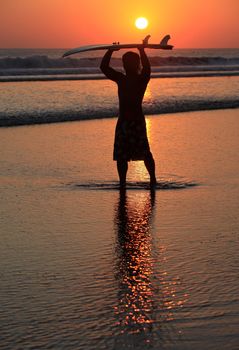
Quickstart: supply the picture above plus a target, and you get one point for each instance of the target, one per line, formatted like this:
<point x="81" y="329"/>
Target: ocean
<point x="86" y="266"/>
<point x="39" y="86"/>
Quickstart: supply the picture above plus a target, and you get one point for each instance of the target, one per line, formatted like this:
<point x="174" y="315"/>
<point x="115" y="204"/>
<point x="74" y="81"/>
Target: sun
<point x="141" y="23"/>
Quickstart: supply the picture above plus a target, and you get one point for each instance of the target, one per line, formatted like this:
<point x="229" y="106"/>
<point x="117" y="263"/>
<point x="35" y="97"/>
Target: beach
<point x="85" y="266"/>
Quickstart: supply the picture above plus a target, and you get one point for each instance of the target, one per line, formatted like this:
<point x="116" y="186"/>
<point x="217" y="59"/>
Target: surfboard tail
<point x="164" y="41"/>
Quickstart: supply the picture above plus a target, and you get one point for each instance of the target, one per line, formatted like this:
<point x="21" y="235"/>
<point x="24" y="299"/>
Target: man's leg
<point x="122" y="166"/>
<point x="150" y="166"/>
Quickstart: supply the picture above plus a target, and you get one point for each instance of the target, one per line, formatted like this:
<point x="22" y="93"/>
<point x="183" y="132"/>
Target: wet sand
<point x="84" y="266"/>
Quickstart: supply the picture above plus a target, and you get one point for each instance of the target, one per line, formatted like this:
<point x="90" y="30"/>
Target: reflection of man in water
<point x="135" y="311"/>
<point x="148" y="296"/>
<point x="131" y="142"/>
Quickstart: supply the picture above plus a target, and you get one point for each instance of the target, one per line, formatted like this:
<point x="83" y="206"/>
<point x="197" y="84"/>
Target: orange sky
<point x="70" y="23"/>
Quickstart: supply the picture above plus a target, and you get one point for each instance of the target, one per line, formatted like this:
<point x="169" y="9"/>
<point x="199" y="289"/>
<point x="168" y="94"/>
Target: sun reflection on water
<point x="135" y="265"/>
<point x="149" y="128"/>
<point x="146" y="298"/>
<point x="148" y="94"/>
<point x="139" y="170"/>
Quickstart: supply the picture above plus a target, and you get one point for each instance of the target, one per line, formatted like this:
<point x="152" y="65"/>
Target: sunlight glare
<point x="141" y="23"/>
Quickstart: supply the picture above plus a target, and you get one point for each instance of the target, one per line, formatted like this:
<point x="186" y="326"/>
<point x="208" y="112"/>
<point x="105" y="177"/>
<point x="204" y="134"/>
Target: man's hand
<point x="112" y="49"/>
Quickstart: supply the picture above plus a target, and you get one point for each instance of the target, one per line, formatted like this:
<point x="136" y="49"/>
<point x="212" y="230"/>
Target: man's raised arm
<point x="106" y="69"/>
<point x="146" y="71"/>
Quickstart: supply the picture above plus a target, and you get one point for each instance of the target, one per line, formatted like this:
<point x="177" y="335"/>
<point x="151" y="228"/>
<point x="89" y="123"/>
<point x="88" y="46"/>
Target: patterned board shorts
<point x="131" y="142"/>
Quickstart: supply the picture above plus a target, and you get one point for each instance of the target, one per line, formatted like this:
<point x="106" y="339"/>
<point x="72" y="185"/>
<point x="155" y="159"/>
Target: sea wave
<point x="45" y="117"/>
<point x="44" y="68"/>
<point x="95" y="75"/>
<point x="43" y="61"/>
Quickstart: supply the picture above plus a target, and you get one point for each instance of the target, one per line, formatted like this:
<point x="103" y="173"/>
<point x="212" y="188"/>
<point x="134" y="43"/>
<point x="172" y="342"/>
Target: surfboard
<point x="163" y="45"/>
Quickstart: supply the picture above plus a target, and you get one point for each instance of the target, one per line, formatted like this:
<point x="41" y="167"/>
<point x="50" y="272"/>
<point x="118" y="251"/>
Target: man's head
<point x="131" y="62"/>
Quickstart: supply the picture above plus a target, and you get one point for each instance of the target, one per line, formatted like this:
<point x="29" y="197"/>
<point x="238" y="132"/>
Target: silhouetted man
<point x="131" y="142"/>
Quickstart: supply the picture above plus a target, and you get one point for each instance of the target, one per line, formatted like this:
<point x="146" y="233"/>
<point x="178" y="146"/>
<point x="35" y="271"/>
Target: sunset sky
<point x="70" y="23"/>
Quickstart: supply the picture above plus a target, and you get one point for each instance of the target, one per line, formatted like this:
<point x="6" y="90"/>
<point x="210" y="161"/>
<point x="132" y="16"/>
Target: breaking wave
<point x="46" y="117"/>
<point x="43" y="61"/>
<point x="42" y="67"/>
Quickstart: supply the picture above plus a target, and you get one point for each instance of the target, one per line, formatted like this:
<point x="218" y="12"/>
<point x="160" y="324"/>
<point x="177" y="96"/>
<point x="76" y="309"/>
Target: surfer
<point x="131" y="142"/>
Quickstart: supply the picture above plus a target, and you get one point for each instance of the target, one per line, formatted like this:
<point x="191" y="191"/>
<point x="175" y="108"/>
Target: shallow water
<point x="98" y="269"/>
<point x="45" y="102"/>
